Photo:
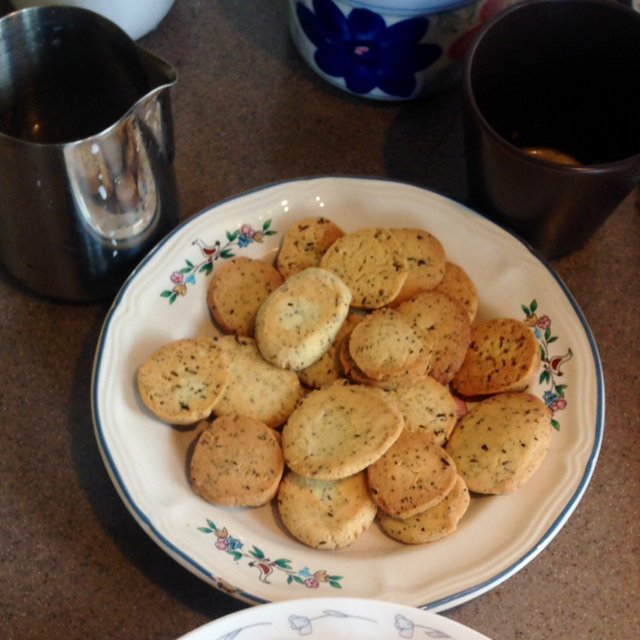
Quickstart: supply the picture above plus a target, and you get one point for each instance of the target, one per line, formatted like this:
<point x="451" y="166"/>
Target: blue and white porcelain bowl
<point x="388" y="49"/>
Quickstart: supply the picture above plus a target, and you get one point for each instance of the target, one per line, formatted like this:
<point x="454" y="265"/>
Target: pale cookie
<point x="372" y="265"/>
<point x="457" y="284"/>
<point x="237" y="290"/>
<point x="432" y="524"/>
<point x="299" y="321"/>
<point x="339" y="430"/>
<point x="427" y="405"/>
<point x="328" y="369"/>
<point x="257" y="388"/>
<point x="183" y="380"/>
<point x="384" y="345"/>
<point x="305" y="243"/>
<point x="444" y="324"/>
<point x="237" y="461"/>
<point x="503" y="356"/>
<point x="501" y="442"/>
<point x="325" y="514"/>
<point x="412" y="476"/>
<point x="426" y="261"/>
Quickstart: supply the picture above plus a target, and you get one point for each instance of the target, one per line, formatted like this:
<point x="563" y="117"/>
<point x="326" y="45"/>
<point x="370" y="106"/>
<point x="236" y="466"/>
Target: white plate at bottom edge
<point x="247" y="553"/>
<point x="336" y="618"/>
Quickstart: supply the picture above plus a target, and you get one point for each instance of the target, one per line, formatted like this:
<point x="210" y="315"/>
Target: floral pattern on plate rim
<point x="266" y="567"/>
<point x="405" y="627"/>
<point x="554" y="395"/>
<point x="241" y="238"/>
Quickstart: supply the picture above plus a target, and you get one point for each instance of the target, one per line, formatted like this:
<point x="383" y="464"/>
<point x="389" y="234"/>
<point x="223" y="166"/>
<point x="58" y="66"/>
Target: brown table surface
<point x="247" y="112"/>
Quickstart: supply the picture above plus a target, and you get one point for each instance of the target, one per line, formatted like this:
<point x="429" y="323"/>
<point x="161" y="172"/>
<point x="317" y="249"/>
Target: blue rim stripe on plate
<point x="437" y="605"/>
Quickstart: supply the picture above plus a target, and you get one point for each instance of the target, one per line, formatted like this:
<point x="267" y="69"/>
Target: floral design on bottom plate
<point x="265" y="567"/>
<point x="554" y="396"/>
<point x="304" y="625"/>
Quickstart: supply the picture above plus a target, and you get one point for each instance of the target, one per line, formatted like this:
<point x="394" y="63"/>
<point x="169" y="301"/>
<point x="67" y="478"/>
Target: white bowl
<point x="388" y="49"/>
<point x="136" y="17"/>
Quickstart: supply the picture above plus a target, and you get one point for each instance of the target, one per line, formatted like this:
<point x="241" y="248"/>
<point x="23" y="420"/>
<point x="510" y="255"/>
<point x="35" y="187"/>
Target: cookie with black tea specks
<point x="340" y="430"/>
<point x="372" y="265"/>
<point x="297" y="324"/>
<point x="183" y="380"/>
<point x="305" y="243"/>
<point x="237" y="461"/>
<point x="412" y="476"/>
<point x="501" y="442"/>
<point x="326" y="514"/>
<point x="432" y="524"/>
<point x="236" y="291"/>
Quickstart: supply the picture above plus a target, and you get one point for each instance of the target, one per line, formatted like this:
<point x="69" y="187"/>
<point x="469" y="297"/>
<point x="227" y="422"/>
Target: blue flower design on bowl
<point x="363" y="51"/>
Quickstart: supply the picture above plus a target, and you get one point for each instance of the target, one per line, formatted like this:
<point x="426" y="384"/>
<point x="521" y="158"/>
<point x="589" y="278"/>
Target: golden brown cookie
<point x="326" y="514"/>
<point x="356" y="375"/>
<point x="339" y="430"/>
<point x="427" y="405"/>
<point x="426" y="261"/>
<point x="432" y="524"/>
<point x="305" y="243"/>
<point x="444" y="324"/>
<point x="237" y="461"/>
<point x="412" y="476"/>
<point x="297" y="324"/>
<point x="384" y="345"/>
<point x="457" y="284"/>
<point x="501" y="442"/>
<point x="372" y="265"/>
<point x="236" y="291"/>
<point x="503" y="356"/>
<point x="183" y="380"/>
<point x="257" y="388"/>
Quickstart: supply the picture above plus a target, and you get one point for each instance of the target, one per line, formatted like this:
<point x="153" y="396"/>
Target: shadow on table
<point x="116" y="521"/>
<point x="425" y="145"/>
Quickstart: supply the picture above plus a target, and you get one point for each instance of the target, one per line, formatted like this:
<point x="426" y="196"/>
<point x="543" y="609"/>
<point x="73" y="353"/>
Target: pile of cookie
<point x="335" y="386"/>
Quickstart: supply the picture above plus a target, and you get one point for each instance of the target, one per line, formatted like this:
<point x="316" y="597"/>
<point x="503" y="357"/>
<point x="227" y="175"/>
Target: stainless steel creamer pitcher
<point x="87" y="185"/>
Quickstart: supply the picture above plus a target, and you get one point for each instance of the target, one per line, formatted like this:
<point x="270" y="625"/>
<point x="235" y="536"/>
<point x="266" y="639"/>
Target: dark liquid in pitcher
<point x="59" y="117"/>
<point x="70" y="86"/>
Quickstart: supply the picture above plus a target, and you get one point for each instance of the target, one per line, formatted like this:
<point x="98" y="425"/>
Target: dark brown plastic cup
<point x="552" y="118"/>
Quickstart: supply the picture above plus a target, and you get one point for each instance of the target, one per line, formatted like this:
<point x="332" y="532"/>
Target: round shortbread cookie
<point x="457" y="284"/>
<point x="237" y="290"/>
<point x="501" y="442"/>
<point x="384" y="345"/>
<point x="328" y="369"/>
<point x="354" y="374"/>
<point x="444" y="324"/>
<point x="326" y="514"/>
<point x="372" y="265"/>
<point x="300" y="320"/>
<point x="257" y="388"/>
<point x="183" y="380"/>
<point x="237" y="461"/>
<point x="412" y="476"/>
<point x="427" y="405"/>
<point x="305" y="243"/>
<point x="503" y="356"/>
<point x="339" y="430"/>
<point x="432" y="524"/>
<point x="426" y="261"/>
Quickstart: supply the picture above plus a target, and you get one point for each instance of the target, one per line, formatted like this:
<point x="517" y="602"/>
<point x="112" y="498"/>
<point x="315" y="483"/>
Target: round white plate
<point x="335" y="618"/>
<point x="247" y="552"/>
